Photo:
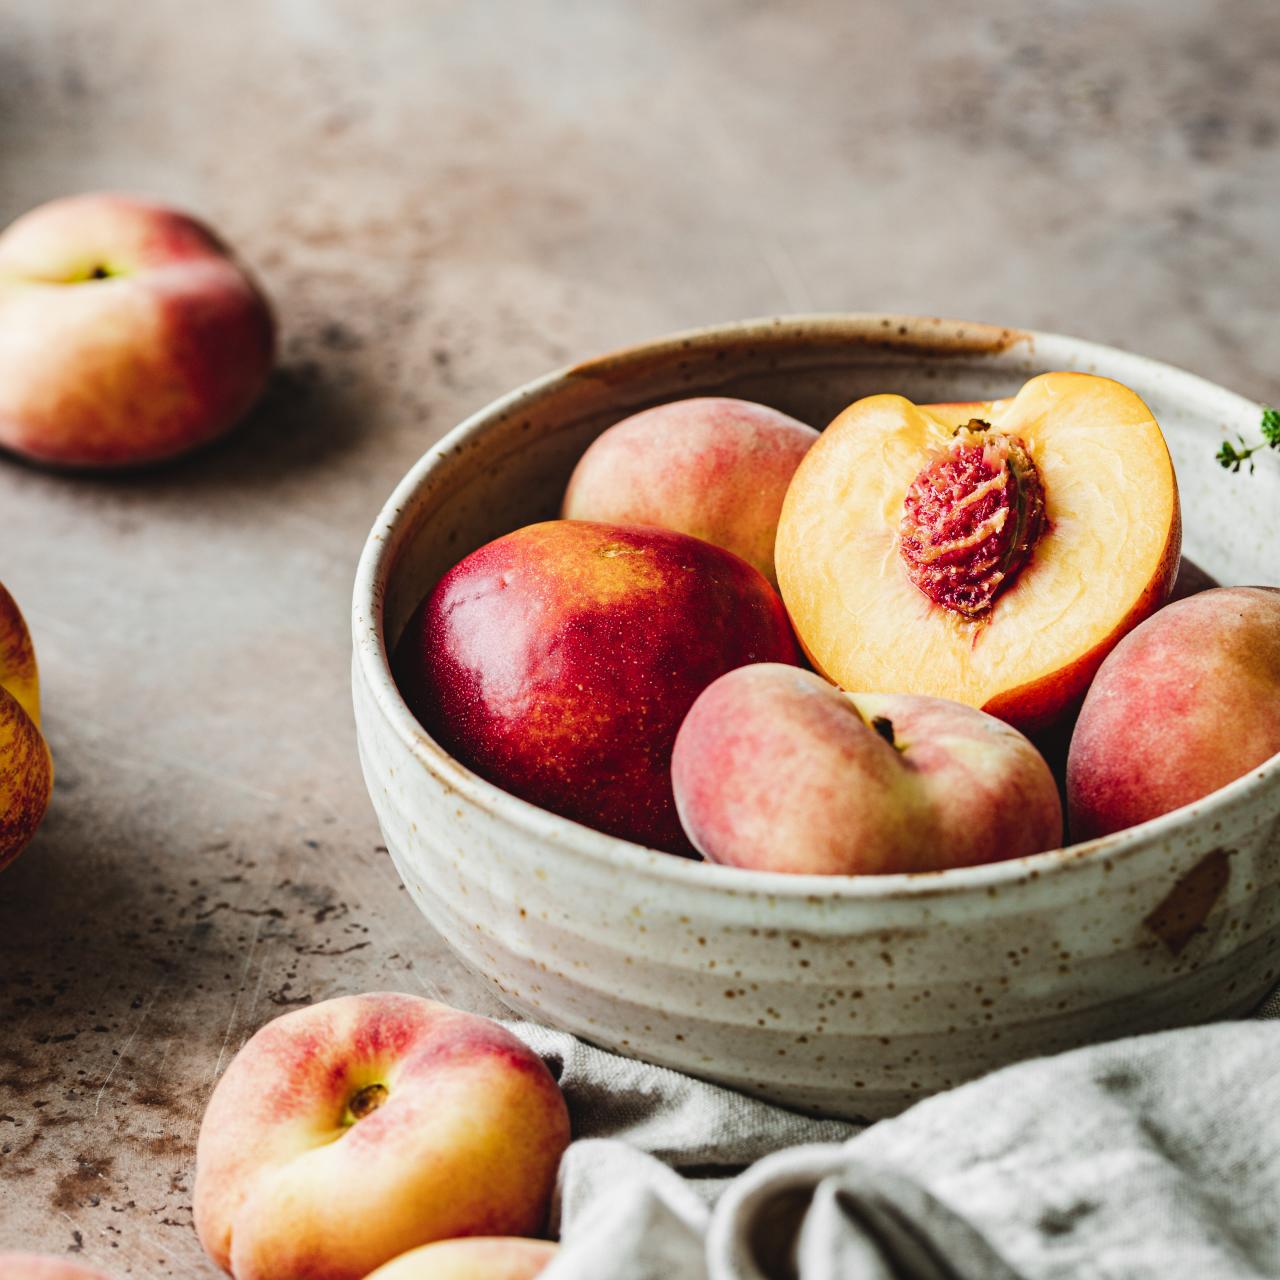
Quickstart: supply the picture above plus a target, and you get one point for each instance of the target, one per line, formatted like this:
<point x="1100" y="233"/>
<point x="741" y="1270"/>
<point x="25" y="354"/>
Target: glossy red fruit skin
<point x="559" y="661"/>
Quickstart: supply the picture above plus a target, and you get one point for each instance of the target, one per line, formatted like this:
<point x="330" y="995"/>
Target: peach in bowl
<point x="849" y="995"/>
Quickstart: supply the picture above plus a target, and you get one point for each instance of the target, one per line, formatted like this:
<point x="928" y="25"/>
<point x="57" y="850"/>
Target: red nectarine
<point x="559" y="660"/>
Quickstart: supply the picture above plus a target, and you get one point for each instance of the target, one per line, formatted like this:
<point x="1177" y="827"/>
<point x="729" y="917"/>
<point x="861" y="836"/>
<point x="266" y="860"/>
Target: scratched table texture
<point x="444" y="200"/>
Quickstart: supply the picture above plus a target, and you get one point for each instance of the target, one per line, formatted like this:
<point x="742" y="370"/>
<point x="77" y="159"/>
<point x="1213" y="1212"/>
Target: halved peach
<point x="995" y="561"/>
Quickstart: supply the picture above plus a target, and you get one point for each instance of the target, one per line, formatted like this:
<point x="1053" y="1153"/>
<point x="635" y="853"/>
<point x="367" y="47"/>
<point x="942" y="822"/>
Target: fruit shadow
<point x="310" y="419"/>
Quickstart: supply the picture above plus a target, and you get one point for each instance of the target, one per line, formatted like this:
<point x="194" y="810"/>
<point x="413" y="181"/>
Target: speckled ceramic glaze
<point x="847" y="996"/>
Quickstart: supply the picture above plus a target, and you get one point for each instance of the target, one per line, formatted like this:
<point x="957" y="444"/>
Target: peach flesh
<point x="713" y="467"/>
<point x="1186" y="703"/>
<point x="465" y="1140"/>
<point x="872" y="783"/>
<point x="865" y="625"/>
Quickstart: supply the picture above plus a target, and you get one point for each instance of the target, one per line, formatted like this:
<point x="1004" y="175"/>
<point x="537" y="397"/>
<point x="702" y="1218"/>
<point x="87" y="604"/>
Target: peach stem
<point x="366" y="1101"/>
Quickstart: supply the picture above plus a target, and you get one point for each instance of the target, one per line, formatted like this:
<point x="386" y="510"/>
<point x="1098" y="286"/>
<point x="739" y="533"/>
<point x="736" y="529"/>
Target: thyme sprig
<point x="1232" y="458"/>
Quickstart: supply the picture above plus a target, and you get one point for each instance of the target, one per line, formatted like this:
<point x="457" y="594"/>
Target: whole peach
<point x="1186" y="703"/>
<point x="34" y="1266"/>
<point x="712" y="467"/>
<point x="777" y="770"/>
<point x="558" y="662"/>
<point x="478" y="1258"/>
<point x="128" y="333"/>
<point x="344" y="1134"/>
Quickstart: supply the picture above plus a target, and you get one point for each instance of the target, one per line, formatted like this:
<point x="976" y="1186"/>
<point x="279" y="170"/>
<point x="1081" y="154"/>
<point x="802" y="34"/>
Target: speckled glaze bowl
<point x="846" y="996"/>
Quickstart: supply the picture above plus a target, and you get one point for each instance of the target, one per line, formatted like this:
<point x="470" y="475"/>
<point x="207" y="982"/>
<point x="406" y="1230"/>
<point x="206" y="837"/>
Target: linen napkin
<point x="1157" y="1156"/>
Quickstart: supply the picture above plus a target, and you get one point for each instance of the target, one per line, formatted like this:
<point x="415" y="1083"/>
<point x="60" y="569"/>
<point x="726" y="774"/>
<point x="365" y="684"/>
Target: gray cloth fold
<point x="1157" y="1156"/>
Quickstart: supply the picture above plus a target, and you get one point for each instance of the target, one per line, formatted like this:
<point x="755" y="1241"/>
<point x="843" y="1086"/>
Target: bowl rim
<point x="372" y="663"/>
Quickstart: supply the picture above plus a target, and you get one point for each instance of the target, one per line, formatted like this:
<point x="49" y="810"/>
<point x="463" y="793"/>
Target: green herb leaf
<point x="1232" y="458"/>
<point x="1271" y="427"/>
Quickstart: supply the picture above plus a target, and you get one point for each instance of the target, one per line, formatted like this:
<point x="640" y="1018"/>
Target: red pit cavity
<point x="971" y="520"/>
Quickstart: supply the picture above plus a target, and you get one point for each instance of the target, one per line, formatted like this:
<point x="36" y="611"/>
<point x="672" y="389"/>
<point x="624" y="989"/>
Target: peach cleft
<point x="971" y="518"/>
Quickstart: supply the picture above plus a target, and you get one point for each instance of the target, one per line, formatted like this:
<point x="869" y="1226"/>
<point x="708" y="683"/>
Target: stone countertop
<point x="444" y="200"/>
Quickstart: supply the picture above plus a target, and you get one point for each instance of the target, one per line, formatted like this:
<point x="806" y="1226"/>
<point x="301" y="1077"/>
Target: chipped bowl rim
<point x="943" y="338"/>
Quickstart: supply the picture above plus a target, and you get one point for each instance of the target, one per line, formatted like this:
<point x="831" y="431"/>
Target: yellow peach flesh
<point x="1112" y="532"/>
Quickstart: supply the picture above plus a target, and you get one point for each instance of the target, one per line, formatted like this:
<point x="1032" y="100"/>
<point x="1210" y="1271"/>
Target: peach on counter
<point x="128" y="333"/>
<point x="477" y="1258"/>
<point x="995" y="563"/>
<point x="558" y="662"/>
<point x="35" y="1266"/>
<point x="777" y="770"/>
<point x="713" y="467"/>
<point x="345" y="1134"/>
<point x="26" y="768"/>
<point x="1186" y="703"/>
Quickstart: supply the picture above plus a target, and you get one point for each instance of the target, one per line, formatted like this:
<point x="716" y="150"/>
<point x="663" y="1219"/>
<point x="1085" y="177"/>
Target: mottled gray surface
<point x="444" y="200"/>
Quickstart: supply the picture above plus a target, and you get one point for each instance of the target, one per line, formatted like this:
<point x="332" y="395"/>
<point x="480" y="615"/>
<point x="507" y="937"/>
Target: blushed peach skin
<point x="559" y="660"/>
<point x="1185" y="704"/>
<point x="713" y="467"/>
<point x="480" y="1258"/>
<point x="32" y="1266"/>
<point x="26" y="768"/>
<point x="777" y="770"/>
<point x="128" y="333"/>
<point x="18" y="671"/>
<point x="345" y="1134"/>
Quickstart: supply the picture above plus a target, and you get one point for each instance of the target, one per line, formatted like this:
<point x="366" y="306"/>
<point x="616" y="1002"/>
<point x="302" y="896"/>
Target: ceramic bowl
<point x="840" y="995"/>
